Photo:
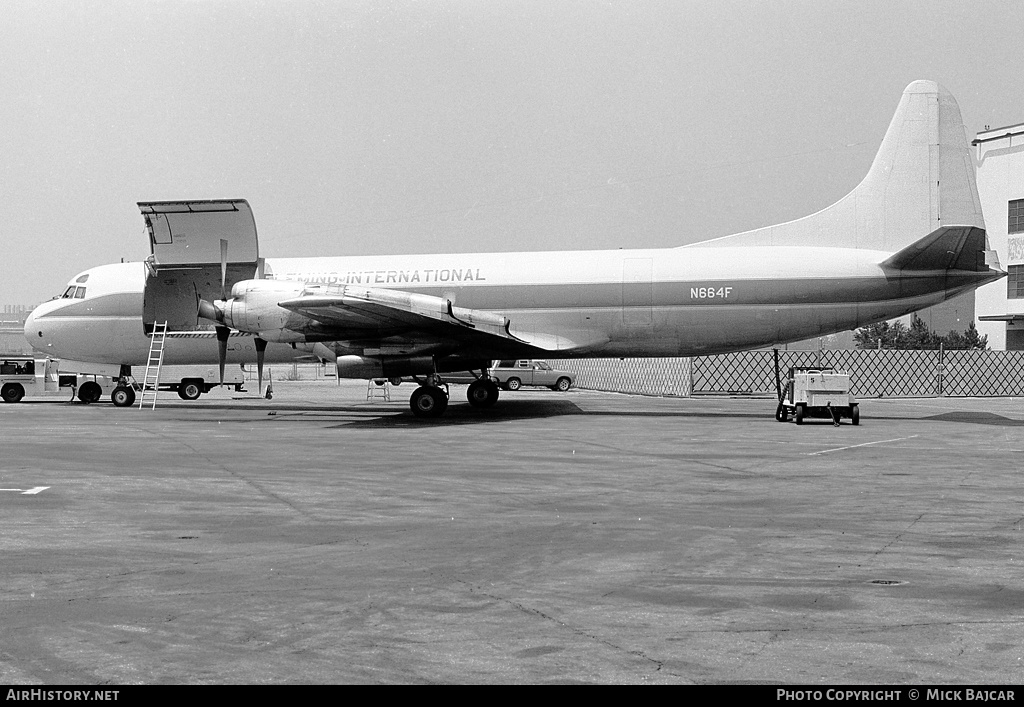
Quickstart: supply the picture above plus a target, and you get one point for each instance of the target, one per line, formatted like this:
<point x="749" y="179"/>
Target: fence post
<point x="778" y="378"/>
<point x="942" y="369"/>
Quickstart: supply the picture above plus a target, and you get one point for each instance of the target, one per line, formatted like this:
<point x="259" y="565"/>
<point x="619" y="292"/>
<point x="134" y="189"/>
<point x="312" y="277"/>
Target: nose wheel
<point x="122" y="396"/>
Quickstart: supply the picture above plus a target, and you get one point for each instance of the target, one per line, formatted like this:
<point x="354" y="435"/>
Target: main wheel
<point x="562" y="385"/>
<point x="12" y="393"/>
<point x="482" y="393"/>
<point x="513" y="384"/>
<point x="428" y="401"/>
<point x="122" y="396"/>
<point x="90" y="392"/>
<point x="801" y="410"/>
<point x="190" y="390"/>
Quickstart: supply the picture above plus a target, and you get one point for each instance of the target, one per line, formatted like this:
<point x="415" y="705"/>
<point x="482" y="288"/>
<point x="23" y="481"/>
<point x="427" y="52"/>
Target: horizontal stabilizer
<point x="948" y="248"/>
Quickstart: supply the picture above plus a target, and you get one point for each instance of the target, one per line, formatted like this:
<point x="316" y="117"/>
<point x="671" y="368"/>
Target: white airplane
<point x="909" y="236"/>
<point x="95" y="327"/>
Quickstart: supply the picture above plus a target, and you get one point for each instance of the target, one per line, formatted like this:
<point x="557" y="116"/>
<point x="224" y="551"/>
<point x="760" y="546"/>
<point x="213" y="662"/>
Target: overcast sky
<point x="359" y="128"/>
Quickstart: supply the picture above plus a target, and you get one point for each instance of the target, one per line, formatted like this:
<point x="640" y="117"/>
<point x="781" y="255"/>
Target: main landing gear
<point x="430" y="400"/>
<point x="482" y="393"/>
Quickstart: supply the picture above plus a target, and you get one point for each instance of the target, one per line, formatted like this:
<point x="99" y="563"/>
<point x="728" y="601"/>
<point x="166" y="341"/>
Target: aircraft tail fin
<point x="922" y="178"/>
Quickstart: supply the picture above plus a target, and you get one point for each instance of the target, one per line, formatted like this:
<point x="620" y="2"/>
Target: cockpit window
<point x="68" y="293"/>
<point x="80" y="293"/>
<point x="82" y="279"/>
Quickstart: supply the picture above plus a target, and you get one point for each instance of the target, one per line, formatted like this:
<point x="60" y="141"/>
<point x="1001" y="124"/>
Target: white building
<point x="1000" y="305"/>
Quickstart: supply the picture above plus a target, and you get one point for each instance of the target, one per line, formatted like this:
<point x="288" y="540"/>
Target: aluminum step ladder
<point x="378" y="391"/>
<point x="151" y="381"/>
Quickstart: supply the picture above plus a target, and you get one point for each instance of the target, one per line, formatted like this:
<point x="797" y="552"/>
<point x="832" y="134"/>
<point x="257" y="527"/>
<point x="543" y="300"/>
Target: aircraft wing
<point x="348" y="311"/>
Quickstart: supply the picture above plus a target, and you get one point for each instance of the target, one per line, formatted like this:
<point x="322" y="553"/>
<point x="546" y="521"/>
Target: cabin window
<point x="1015" y="216"/>
<point x="1015" y="282"/>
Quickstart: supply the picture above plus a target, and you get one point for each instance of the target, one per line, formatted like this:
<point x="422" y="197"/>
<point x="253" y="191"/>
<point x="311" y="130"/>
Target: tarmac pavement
<point x="556" y="538"/>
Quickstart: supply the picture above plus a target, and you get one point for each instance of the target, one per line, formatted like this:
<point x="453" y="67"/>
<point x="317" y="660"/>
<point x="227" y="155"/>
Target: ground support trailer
<point x="817" y="392"/>
<point x="25" y="375"/>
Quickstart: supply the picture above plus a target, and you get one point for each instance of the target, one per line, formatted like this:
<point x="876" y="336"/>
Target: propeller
<point x="261" y="353"/>
<point x="222" y="349"/>
<point x="223" y="268"/>
<point x="215" y="312"/>
<point x="211" y="311"/>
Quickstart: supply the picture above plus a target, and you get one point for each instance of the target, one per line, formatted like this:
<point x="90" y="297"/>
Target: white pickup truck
<point x="512" y="375"/>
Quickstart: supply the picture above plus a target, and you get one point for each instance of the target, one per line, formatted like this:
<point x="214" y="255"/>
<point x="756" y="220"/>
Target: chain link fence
<point x="641" y="376"/>
<point x="983" y="373"/>
<point x="873" y="373"/>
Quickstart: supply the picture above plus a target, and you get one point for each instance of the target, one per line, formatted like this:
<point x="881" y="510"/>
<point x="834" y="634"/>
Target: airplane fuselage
<point x="651" y="302"/>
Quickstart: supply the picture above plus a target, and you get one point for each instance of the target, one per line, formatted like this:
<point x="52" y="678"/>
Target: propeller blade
<point x="261" y="354"/>
<point x="222" y="349"/>
<point x="223" y="268"/>
<point x="210" y="311"/>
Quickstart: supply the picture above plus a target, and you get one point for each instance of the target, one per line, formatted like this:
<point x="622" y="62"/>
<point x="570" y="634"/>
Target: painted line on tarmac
<point x="29" y="492"/>
<point x="854" y="446"/>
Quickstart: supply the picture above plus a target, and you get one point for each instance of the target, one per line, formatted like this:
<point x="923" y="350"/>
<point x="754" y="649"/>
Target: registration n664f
<point x="710" y="292"/>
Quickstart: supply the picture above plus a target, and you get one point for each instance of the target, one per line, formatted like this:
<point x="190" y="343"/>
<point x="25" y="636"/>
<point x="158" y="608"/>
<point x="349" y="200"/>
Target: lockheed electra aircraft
<point x="909" y="236"/>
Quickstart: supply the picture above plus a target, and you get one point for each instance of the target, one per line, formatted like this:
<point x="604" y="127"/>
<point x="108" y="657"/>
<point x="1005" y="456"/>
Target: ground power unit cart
<point x="817" y="392"/>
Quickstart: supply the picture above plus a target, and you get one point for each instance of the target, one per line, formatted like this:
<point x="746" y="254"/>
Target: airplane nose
<point x="30" y="330"/>
<point x="35" y="333"/>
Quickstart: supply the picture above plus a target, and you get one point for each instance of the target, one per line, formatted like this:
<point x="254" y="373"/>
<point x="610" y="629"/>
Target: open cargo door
<point x="200" y="249"/>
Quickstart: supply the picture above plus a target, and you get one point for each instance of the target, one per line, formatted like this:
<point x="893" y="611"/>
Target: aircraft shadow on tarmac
<point x="391" y="415"/>
<point x="978" y="418"/>
<point x="465" y="414"/>
<point x="458" y="414"/>
<point x="531" y="409"/>
<point x="380" y="415"/>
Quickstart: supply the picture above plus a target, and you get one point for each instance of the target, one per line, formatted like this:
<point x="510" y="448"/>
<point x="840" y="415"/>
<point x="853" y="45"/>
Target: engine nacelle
<point x="385" y="367"/>
<point x="399" y="366"/>
<point x="253" y="307"/>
